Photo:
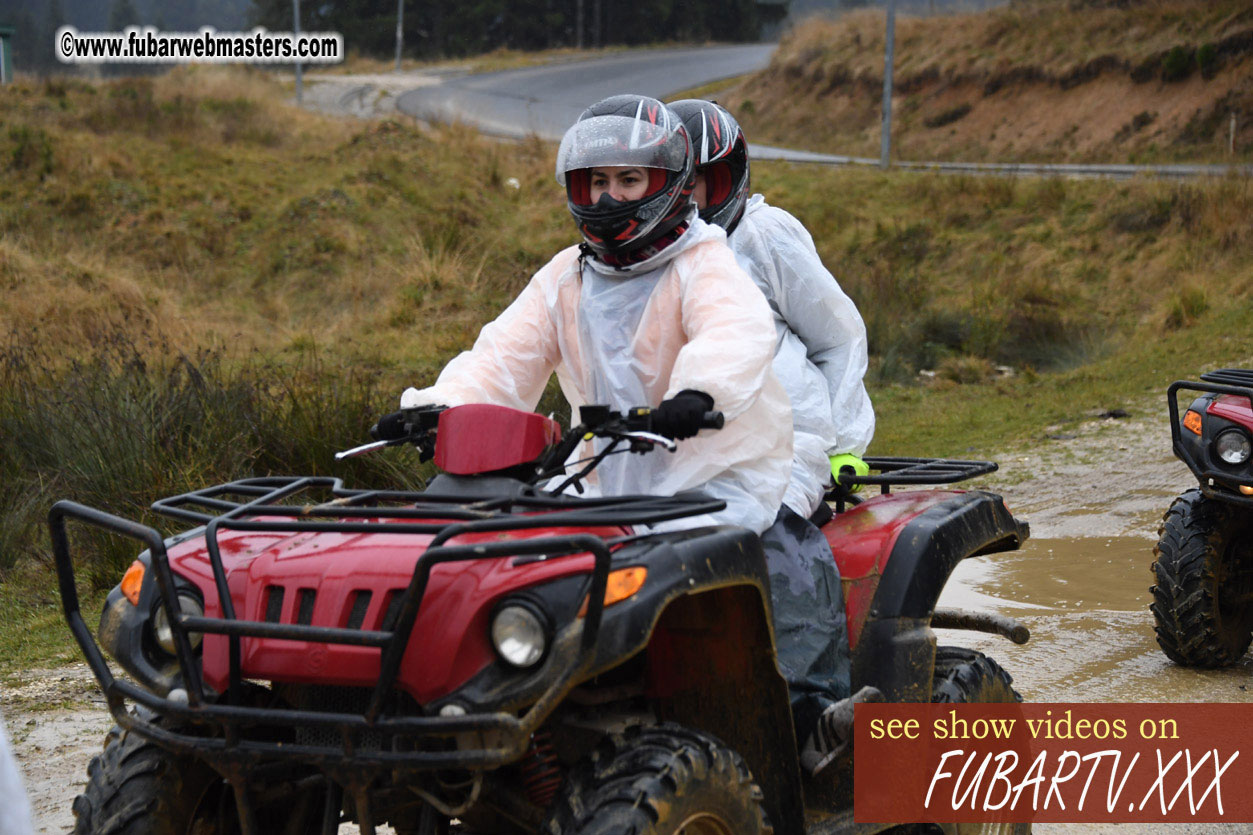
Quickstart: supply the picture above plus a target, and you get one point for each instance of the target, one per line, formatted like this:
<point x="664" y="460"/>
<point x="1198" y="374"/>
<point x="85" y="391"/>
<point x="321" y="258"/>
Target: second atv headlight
<point x="1233" y="446"/>
<point x="519" y="634"/>
<point x="161" y="630"/>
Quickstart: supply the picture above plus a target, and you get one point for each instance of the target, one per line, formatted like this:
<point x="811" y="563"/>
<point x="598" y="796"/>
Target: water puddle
<point x="1073" y="575"/>
<point x="1086" y="602"/>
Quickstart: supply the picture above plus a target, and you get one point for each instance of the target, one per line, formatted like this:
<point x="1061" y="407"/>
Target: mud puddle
<point x="1086" y="602"/>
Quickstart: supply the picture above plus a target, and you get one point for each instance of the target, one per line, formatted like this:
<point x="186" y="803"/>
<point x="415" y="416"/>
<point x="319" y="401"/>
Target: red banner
<point x="1059" y="762"/>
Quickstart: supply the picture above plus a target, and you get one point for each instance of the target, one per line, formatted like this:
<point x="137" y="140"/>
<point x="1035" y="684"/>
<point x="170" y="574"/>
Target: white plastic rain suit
<point x="686" y="318"/>
<point x="15" y="814"/>
<point x="821" y="346"/>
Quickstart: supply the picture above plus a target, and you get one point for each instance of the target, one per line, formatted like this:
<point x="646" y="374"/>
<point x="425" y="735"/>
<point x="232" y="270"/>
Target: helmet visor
<point x="605" y="141"/>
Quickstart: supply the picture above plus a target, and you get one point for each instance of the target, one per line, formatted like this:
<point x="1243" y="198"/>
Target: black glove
<point x="682" y="415"/>
<point x="390" y="427"/>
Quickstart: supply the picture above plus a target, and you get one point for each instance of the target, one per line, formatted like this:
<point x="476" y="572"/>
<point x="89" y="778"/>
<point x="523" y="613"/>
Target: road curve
<point x="546" y="100"/>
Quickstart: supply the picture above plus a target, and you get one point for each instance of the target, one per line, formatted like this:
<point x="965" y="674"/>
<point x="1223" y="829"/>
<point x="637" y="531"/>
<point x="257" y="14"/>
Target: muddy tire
<point x="664" y="780"/>
<point x="965" y="676"/>
<point x="137" y="788"/>
<point x="1203" y="589"/>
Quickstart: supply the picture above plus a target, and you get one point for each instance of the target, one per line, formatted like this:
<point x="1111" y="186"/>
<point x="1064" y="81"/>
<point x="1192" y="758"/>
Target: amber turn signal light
<point x="622" y="584"/>
<point x="1192" y="421"/>
<point x="131" y="581"/>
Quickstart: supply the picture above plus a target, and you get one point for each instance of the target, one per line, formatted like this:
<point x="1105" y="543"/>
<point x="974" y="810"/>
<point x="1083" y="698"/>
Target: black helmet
<point x="722" y="155"/>
<point x="634" y="131"/>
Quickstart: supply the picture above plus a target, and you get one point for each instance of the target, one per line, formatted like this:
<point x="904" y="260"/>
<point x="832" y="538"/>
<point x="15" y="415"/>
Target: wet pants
<point x="810" y="629"/>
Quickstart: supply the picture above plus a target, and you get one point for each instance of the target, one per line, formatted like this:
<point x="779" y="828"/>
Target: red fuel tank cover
<point x="1235" y="409"/>
<point x="481" y="438"/>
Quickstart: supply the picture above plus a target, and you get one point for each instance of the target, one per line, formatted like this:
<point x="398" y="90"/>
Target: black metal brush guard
<point x="1233" y="381"/>
<point x="895" y="470"/>
<point x="233" y="755"/>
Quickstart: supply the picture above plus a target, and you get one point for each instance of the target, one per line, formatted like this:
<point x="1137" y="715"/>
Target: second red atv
<point x="492" y="652"/>
<point x="1203" y="566"/>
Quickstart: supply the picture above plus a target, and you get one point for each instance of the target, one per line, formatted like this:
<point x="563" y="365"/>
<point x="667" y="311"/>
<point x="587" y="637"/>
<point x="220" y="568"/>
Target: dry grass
<point x="201" y="206"/>
<point x="1057" y="38"/>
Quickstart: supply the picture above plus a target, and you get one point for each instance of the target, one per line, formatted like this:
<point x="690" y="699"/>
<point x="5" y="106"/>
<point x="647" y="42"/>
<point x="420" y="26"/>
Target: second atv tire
<point x="663" y="780"/>
<point x="1203" y="589"/>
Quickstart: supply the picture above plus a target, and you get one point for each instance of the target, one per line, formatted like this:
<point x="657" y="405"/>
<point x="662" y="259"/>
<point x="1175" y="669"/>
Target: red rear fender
<point x="864" y="537"/>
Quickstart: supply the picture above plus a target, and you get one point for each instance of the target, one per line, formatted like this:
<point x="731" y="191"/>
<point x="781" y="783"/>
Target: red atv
<point x="1203" y="571"/>
<point x="497" y="655"/>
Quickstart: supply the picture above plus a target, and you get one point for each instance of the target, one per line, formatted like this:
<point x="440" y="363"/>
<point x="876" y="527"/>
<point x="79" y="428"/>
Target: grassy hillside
<point x="199" y="207"/>
<point x="1049" y="80"/>
<point x="201" y="283"/>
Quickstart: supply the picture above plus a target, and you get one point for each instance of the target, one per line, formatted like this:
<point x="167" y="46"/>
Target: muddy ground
<point x="1092" y="495"/>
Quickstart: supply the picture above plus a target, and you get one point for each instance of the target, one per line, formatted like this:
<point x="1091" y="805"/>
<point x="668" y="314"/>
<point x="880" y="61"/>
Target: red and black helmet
<point x="636" y="131"/>
<point x="721" y="155"/>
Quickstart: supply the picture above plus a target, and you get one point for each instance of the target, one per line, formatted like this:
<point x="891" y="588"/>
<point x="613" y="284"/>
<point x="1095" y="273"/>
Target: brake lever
<point x="651" y="437"/>
<point x="426" y="451"/>
<point x="364" y="448"/>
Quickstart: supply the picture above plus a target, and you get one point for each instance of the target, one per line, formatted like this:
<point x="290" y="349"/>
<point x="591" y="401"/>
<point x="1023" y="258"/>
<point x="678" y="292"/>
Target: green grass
<point x="987" y="419"/>
<point x="34" y="634"/>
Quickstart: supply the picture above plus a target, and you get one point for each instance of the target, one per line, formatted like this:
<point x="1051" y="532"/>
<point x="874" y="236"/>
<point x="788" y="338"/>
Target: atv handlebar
<point x="634" y="426"/>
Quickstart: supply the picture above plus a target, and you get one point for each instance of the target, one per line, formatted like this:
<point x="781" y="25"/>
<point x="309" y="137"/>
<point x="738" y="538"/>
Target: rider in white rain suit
<point x="651" y="309"/>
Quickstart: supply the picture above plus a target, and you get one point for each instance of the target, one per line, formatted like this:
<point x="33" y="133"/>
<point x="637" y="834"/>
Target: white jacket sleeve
<point x="730" y="333"/>
<point x="828" y="324"/>
<point x="512" y="358"/>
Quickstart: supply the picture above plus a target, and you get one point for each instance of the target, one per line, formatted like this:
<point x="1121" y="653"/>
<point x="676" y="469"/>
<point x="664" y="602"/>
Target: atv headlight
<point x="519" y="635"/>
<point x="1233" y="446"/>
<point x="161" y="630"/>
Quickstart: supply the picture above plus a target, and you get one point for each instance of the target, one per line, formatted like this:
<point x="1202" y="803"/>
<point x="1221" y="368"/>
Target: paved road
<point x="546" y="100"/>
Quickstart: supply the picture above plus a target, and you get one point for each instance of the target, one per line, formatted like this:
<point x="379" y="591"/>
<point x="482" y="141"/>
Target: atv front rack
<point x="239" y="506"/>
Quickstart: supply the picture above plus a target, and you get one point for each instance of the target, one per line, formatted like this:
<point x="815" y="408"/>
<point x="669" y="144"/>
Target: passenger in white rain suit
<point x="821" y="340"/>
<point x="820" y="358"/>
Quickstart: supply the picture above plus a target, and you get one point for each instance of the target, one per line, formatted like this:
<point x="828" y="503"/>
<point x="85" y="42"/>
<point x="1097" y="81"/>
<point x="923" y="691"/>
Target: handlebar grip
<point x="711" y="420"/>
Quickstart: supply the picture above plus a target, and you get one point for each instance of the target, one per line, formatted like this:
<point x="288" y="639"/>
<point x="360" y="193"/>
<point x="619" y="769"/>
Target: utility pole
<point x="299" y="80"/>
<point x="400" y="30"/>
<point x="578" y="24"/>
<point x="885" y="132"/>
